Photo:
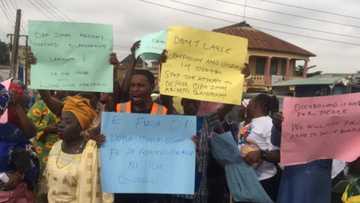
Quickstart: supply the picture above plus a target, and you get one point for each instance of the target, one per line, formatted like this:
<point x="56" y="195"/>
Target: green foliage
<point x="4" y="54"/>
<point x="299" y="70"/>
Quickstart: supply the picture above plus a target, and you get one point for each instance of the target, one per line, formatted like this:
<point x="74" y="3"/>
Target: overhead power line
<point x="186" y="11"/>
<point x="43" y="7"/>
<point x="15" y="3"/>
<point x="4" y="11"/>
<point x="38" y="8"/>
<point x="308" y="36"/>
<point x="266" y="21"/>
<point x="6" y="17"/>
<point x="261" y="28"/>
<point x="8" y="11"/>
<point x="12" y="7"/>
<point x="310" y="9"/>
<point x="289" y="14"/>
<point x="50" y="10"/>
<point x="56" y="9"/>
<point x="12" y="4"/>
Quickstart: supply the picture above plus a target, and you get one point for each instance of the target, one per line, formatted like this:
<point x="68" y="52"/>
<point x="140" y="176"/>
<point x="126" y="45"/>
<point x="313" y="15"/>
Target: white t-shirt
<point x="260" y="133"/>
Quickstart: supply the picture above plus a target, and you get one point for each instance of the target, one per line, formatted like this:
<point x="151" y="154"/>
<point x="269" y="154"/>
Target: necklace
<point x="66" y="158"/>
<point x="76" y="151"/>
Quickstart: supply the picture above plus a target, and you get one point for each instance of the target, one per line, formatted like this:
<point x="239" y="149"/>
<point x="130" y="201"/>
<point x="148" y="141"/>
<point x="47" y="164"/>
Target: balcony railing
<point x="257" y="80"/>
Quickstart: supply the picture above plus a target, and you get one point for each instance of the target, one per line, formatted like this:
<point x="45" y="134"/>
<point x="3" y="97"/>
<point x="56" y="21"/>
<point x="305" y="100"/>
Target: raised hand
<point x="113" y="59"/>
<point x="134" y="47"/>
<point x="163" y="56"/>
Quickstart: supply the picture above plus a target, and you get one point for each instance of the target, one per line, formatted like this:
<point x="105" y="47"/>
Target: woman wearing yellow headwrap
<point x="73" y="166"/>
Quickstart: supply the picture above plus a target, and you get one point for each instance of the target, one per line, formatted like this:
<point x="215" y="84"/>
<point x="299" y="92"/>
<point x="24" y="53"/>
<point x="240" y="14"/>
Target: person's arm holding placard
<point x="122" y="90"/>
<point x="17" y="103"/>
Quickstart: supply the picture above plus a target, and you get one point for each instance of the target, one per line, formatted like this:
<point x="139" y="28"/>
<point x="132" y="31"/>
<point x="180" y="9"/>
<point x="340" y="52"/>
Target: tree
<point x="299" y="70"/>
<point x="4" y="54"/>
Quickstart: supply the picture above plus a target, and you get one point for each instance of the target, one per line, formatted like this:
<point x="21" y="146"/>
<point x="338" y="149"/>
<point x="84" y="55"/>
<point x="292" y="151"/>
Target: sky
<point x="132" y="19"/>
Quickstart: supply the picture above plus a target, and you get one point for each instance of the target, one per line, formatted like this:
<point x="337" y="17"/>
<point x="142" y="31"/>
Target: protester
<point x="259" y="142"/>
<point x="72" y="167"/>
<point x="72" y="171"/>
<point x="213" y="186"/>
<point x="214" y="178"/>
<point x="121" y="88"/>
<point x="142" y="84"/>
<point x="210" y="183"/>
<point x="45" y="122"/>
<point x="55" y="104"/>
<point x="304" y="183"/>
<point x="190" y="108"/>
<point x="19" y="168"/>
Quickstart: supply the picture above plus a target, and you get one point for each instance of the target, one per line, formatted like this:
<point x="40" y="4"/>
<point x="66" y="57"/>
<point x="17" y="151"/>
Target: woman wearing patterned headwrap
<point x="73" y="164"/>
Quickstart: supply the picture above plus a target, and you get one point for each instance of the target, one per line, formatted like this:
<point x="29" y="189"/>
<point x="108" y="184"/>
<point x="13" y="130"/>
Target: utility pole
<point x="26" y="54"/>
<point x="15" y="46"/>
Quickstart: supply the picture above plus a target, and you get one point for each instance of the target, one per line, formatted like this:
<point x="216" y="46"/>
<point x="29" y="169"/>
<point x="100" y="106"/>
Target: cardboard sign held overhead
<point x="204" y="65"/>
<point x="71" y="56"/>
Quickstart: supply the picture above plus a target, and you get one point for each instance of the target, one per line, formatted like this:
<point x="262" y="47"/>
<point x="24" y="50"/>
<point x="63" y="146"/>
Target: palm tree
<point x="299" y="70"/>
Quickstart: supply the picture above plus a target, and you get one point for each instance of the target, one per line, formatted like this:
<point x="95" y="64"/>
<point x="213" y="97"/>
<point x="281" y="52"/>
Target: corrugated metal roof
<point x="317" y="80"/>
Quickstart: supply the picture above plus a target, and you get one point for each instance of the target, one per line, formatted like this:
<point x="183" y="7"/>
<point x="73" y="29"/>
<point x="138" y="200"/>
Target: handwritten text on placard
<point x="321" y="128"/>
<point x="152" y="43"/>
<point x="204" y="65"/>
<point x="148" y="154"/>
<point x="71" y="56"/>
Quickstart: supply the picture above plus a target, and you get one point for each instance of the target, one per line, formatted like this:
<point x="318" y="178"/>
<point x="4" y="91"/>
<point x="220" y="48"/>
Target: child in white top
<point x="259" y="138"/>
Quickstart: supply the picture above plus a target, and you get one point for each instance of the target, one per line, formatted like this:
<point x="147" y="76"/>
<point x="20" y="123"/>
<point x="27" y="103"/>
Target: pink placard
<point x="321" y="128"/>
<point x="4" y="117"/>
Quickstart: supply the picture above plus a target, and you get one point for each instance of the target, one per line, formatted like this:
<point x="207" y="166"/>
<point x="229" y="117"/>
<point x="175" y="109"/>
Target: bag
<point x="240" y="177"/>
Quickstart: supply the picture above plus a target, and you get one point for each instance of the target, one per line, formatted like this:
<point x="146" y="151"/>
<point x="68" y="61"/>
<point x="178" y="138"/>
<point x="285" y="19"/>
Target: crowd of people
<point x="49" y="148"/>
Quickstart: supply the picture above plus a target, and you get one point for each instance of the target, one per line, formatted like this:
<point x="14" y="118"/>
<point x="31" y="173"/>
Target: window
<point x="260" y="66"/>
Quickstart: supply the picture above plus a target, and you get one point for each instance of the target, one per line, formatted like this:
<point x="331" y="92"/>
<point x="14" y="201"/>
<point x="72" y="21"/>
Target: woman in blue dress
<point x="18" y="164"/>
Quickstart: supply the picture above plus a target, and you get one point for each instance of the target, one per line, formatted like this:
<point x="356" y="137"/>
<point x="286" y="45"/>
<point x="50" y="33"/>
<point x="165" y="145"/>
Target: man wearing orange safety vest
<point x="142" y="83"/>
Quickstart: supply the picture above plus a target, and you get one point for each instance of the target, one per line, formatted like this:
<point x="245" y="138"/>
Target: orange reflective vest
<point x="156" y="109"/>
